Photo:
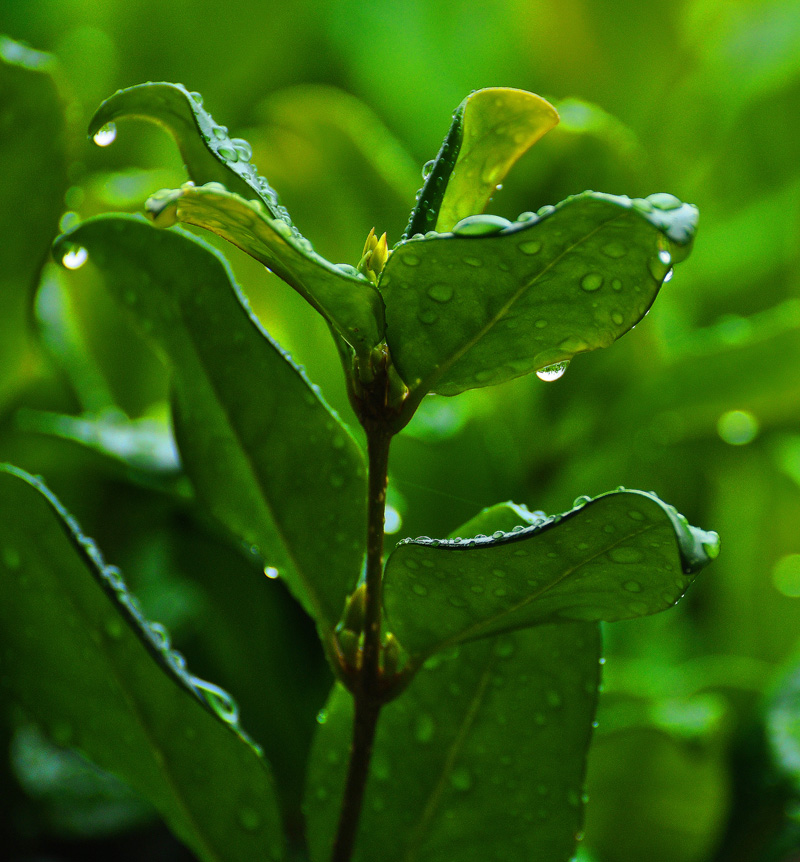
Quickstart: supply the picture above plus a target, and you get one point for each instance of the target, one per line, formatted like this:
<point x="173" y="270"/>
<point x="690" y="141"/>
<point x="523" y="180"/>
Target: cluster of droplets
<point x="538" y="520"/>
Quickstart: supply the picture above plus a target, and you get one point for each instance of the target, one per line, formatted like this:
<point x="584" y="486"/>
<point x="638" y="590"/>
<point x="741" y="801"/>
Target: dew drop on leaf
<point x="106" y="135"/>
<point x="592" y="281"/>
<point x="75" y="258"/>
<point x="531" y="246"/>
<point x="427" y="168"/>
<point x="440" y="292"/>
<point x="271" y="572"/>
<point x="552" y="372"/>
<point x="424" y="728"/>
<point x="228" y="153"/>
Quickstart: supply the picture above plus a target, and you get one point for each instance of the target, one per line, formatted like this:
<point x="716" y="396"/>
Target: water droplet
<point x="457" y="601"/>
<point x="461" y="779"/>
<point x="614" y="250"/>
<point x="632" y="586"/>
<point x="592" y="281"/>
<point x="480" y="225"/>
<point x="424" y="728"/>
<point x="616" y="284"/>
<point x="228" y="153"/>
<point x="427" y="168"/>
<point x="472" y="261"/>
<point x="639" y="609"/>
<point x="664" y="201"/>
<point x="440" y="292"/>
<point x="106" y="135"/>
<point x="526" y="216"/>
<point x="243" y="148"/>
<point x="636" y="515"/>
<point x="553" y="698"/>
<point x="271" y="572"/>
<point x="617" y="317"/>
<point x="249" y="819"/>
<point x="322" y="716"/>
<point x="218" y="699"/>
<point x="197" y="98"/>
<point x="420" y="590"/>
<point x="410" y="260"/>
<point x="75" y="258"/>
<point x="665" y="257"/>
<point x="552" y="372"/>
<point x="427" y="316"/>
<point x="545" y="210"/>
<point x="531" y="246"/>
<point x="626" y="555"/>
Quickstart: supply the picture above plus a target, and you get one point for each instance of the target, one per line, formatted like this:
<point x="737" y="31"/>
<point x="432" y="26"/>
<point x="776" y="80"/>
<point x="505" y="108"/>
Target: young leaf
<point x="79" y="657"/>
<point x="209" y="154"/>
<point x="491" y="129"/>
<point x="33" y="156"/>
<point x="344" y="297"/>
<point x="624" y="554"/>
<point x="266" y="455"/>
<point x="482" y="756"/>
<point x="495" y="300"/>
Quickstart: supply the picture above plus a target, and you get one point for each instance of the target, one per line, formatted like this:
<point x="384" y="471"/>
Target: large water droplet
<point x="440" y="292"/>
<point x="105" y="135"/>
<point x="271" y="572"/>
<point x="664" y="201"/>
<point x="243" y="148"/>
<point x="592" y="281"/>
<point x="410" y="260"/>
<point x="427" y="168"/>
<point x="552" y="372"/>
<point x="75" y="258"/>
<point x="480" y="225"/>
<point x="218" y="699"/>
<point x="229" y="153"/>
<point x="197" y="98"/>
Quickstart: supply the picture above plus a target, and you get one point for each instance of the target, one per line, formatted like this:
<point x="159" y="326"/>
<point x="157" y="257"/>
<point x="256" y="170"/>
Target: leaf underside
<point x="78" y="657"/>
<point x="624" y="554"/>
<point x="465" y="311"/>
<point x="240" y="410"/>
<point x="481" y="758"/>
<point x="348" y="301"/>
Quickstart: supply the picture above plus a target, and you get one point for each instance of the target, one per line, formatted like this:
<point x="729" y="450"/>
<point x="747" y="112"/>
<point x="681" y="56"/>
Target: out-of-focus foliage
<point x="694" y="759"/>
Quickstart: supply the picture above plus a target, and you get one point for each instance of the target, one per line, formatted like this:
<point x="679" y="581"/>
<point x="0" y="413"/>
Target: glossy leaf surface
<point x="491" y="129"/>
<point x="481" y="758"/>
<point x="496" y="300"/>
<point x="346" y="299"/>
<point x="624" y="554"/>
<point x="115" y="690"/>
<point x="33" y="156"/>
<point x="240" y="407"/>
<point x="209" y="153"/>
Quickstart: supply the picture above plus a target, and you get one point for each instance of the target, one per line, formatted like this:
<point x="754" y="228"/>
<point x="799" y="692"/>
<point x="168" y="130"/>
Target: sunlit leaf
<point x="266" y="455"/>
<point x="343" y="297"/>
<point x="482" y="757"/>
<point x="33" y="157"/>
<point x="624" y="554"/>
<point x="491" y="129"/>
<point x="496" y="299"/>
<point x="115" y="690"/>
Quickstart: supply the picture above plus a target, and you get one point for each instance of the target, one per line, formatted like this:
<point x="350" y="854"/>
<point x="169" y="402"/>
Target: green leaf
<point x="495" y="299"/>
<point x="33" y="156"/>
<point x="209" y="153"/>
<point x="266" y="455"/>
<point x="624" y="554"/>
<point x="491" y="770"/>
<point x="491" y="129"/>
<point x="344" y="297"/>
<point x="80" y="658"/>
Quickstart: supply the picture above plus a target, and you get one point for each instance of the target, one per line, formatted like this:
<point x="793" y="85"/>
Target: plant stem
<point x="367" y="692"/>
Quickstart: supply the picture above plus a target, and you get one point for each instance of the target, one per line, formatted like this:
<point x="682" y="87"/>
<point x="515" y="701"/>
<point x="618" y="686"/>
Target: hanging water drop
<point x="75" y="258"/>
<point x="271" y="572"/>
<point x="552" y="372"/>
<point x="427" y="168"/>
<point x="243" y="148"/>
<point x="218" y="699"/>
<point x="105" y="135"/>
<point x="198" y="99"/>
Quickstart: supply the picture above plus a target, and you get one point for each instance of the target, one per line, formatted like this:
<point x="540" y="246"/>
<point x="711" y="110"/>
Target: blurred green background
<point x="697" y="753"/>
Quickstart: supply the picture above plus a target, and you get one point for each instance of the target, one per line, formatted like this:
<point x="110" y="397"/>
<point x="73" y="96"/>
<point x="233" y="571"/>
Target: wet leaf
<point x="238" y="402"/>
<point x="209" y="153"/>
<point x="621" y="555"/>
<point x="33" y="156"/>
<point x="481" y="758"/>
<point x="491" y="129"/>
<point x="345" y="298"/>
<point x="115" y="690"/>
<point x="495" y="299"/>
